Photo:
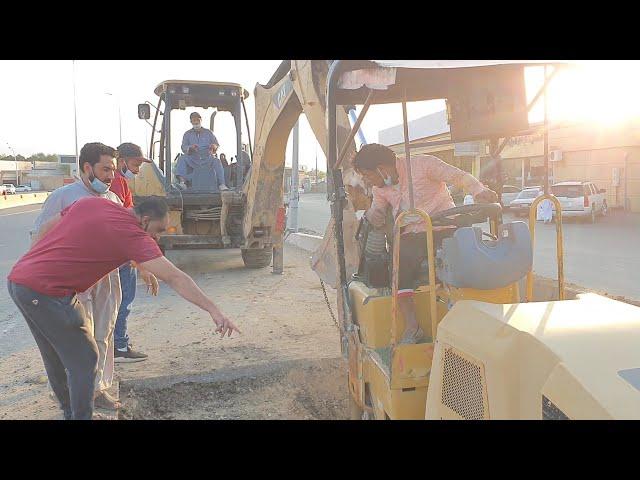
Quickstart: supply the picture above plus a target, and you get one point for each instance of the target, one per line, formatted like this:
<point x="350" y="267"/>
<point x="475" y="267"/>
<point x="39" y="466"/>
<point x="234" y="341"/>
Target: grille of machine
<point x="463" y="386"/>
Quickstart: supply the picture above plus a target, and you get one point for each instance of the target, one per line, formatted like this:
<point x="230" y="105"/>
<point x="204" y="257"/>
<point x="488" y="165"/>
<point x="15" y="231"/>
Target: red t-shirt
<point x="120" y="187"/>
<point x="93" y="237"/>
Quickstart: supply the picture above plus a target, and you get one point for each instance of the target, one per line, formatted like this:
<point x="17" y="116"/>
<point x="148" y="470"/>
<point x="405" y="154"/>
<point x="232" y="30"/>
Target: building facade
<point x="607" y="156"/>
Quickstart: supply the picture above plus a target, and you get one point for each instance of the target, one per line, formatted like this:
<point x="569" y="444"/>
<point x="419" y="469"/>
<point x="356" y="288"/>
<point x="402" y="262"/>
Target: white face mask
<point x="388" y="181"/>
<point x="197" y="126"/>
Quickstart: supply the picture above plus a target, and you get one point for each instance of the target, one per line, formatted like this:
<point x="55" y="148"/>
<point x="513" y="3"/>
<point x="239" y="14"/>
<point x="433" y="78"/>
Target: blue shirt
<point x="204" y="138"/>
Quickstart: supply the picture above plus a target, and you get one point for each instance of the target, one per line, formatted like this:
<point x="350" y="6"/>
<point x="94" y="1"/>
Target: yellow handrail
<point x="396" y="269"/>
<point x="559" y="242"/>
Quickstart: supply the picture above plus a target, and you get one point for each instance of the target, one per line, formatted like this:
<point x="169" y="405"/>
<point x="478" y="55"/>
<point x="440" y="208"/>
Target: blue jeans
<point x="219" y="169"/>
<point x="128" y="282"/>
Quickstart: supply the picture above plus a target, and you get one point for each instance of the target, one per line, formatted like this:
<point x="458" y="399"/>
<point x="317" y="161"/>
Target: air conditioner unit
<point x="555" y="155"/>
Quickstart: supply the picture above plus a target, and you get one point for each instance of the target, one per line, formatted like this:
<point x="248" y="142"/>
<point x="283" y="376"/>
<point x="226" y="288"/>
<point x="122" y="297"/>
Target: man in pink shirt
<point x="386" y="173"/>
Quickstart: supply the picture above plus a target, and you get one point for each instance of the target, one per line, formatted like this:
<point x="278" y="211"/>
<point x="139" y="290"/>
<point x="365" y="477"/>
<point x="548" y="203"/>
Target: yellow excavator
<point x="251" y="214"/>
<point x="497" y="346"/>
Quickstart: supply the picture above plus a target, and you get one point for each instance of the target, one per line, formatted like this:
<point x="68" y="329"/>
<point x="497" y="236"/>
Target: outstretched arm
<point x="442" y="171"/>
<point x="184" y="285"/>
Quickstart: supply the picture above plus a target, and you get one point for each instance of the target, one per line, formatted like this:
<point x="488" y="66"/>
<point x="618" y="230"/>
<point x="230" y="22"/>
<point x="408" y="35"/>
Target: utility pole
<point x="294" y="195"/>
<point x="15" y="159"/>
<point x="75" y="117"/>
<point x="119" y="115"/>
<point x="316" y="165"/>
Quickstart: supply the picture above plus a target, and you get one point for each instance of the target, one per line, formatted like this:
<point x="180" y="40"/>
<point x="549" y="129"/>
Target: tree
<point x="41" y="157"/>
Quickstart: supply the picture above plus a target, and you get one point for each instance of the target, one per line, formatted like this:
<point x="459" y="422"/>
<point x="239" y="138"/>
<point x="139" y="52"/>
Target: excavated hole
<point x="296" y="390"/>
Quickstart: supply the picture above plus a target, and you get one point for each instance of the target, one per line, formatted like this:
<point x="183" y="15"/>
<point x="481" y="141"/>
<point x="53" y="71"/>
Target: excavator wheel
<point x="257" y="257"/>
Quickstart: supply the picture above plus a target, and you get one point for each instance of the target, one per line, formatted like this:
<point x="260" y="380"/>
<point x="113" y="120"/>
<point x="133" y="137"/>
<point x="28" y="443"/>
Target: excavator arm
<point x="297" y="86"/>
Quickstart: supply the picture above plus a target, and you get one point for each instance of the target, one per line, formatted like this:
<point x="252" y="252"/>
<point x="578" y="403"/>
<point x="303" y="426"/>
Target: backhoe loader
<point x="250" y="215"/>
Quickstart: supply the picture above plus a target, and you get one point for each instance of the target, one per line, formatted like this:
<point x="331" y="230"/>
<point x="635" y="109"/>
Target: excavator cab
<point x="475" y="302"/>
<point x="201" y="215"/>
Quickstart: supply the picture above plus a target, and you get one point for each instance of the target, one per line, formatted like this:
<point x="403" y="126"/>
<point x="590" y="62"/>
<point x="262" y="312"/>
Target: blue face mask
<point x="98" y="186"/>
<point x="128" y="173"/>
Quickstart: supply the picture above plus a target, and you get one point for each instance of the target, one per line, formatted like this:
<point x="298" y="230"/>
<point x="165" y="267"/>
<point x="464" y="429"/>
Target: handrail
<point x="559" y="243"/>
<point x="396" y="270"/>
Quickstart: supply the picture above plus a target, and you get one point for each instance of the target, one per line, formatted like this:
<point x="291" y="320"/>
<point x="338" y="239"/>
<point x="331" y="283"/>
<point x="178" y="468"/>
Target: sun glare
<point x="605" y="93"/>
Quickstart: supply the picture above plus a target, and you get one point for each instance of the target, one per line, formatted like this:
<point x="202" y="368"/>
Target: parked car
<point x="10" y="188"/>
<point x="520" y="206"/>
<point x="23" y="188"/>
<point x="581" y="199"/>
<point x="509" y="194"/>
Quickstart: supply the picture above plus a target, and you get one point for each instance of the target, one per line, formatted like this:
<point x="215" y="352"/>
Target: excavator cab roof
<point x="195" y="93"/>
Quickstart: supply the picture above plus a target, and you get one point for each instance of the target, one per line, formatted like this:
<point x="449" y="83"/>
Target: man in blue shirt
<point x="199" y="146"/>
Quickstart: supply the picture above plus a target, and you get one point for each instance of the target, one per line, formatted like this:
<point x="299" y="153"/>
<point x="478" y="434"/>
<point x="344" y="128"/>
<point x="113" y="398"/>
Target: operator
<point x="386" y="173"/>
<point x="130" y="159"/>
<point x="102" y="301"/>
<point x="81" y="245"/>
<point x="199" y="146"/>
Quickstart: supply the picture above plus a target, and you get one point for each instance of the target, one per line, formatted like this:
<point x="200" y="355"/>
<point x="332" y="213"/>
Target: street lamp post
<point x="75" y="115"/>
<point x="15" y="159"/>
<point x="119" y="115"/>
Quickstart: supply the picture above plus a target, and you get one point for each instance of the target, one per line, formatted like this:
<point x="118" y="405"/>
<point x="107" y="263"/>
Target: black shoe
<point x="129" y="356"/>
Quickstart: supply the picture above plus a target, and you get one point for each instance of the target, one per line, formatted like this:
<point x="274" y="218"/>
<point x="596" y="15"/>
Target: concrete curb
<point x="22" y="199"/>
<point x="304" y="241"/>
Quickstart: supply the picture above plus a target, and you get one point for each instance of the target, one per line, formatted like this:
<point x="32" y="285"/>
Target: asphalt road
<point x="603" y="256"/>
<point x="15" y="224"/>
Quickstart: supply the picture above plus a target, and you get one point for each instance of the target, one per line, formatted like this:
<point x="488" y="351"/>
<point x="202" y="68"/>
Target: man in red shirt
<point x="130" y="159"/>
<point x="80" y="245"/>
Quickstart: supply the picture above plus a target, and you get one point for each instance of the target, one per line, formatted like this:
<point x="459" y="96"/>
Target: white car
<point x="9" y="188"/>
<point x="509" y="194"/>
<point x="23" y="188"/>
<point x="520" y="206"/>
<point x="581" y="199"/>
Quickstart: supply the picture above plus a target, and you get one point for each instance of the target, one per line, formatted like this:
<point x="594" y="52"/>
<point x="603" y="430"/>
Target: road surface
<point x="603" y="256"/>
<point x="15" y="224"/>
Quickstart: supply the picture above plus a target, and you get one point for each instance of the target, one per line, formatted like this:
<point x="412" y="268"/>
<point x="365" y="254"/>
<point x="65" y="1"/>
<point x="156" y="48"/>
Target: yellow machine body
<point x="571" y="359"/>
<point x="397" y="378"/>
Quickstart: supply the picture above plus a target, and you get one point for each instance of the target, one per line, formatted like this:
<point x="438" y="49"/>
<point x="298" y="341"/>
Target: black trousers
<point x="413" y="252"/>
<point x="66" y="344"/>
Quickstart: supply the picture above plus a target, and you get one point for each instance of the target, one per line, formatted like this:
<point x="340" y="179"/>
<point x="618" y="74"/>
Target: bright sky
<point x="36" y="98"/>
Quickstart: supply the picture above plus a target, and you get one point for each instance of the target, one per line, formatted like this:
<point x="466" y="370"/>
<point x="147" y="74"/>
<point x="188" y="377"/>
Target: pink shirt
<point x="430" y="176"/>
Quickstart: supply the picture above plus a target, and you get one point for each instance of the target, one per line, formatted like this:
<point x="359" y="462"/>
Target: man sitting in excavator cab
<point x="386" y="173"/>
<point x="199" y="147"/>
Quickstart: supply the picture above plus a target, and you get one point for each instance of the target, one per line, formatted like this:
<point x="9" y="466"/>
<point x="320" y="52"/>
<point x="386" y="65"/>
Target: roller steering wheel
<point x="467" y="215"/>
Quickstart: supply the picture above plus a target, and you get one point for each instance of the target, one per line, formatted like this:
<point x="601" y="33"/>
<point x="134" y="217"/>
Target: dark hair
<point x="373" y="155"/>
<point x="154" y="207"/>
<point x="91" y="153"/>
<point x="194" y="114"/>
